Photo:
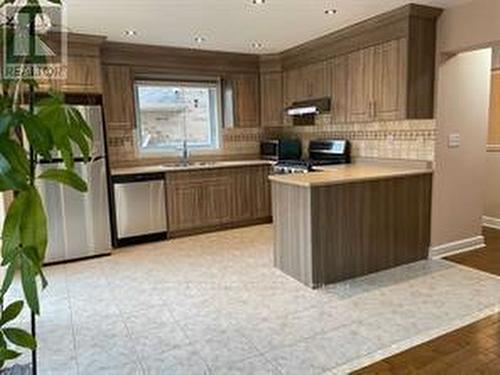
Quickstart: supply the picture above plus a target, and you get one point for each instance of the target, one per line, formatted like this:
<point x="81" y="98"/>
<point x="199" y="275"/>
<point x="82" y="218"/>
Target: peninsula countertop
<point x="341" y="174"/>
<point x="176" y="167"/>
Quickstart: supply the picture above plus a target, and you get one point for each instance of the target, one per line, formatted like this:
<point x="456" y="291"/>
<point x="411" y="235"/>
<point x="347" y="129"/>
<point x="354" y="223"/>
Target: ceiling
<point x="228" y="25"/>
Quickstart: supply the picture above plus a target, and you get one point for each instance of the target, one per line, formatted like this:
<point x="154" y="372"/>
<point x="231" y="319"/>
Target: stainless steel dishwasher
<point x="140" y="210"/>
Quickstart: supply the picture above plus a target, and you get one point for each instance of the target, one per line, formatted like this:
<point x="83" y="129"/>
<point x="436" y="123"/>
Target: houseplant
<point x="45" y="127"/>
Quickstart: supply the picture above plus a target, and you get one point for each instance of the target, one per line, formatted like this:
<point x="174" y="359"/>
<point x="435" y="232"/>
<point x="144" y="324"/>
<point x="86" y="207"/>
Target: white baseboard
<point x="457" y="247"/>
<point x="491" y="222"/>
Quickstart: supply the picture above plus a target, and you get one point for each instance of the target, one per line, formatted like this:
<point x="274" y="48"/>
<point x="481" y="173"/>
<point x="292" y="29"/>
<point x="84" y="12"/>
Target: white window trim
<point x="186" y="82"/>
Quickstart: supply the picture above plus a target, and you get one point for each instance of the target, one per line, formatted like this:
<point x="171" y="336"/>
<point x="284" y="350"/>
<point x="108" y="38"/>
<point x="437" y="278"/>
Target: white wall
<point x="469" y="26"/>
<point x="463" y="94"/>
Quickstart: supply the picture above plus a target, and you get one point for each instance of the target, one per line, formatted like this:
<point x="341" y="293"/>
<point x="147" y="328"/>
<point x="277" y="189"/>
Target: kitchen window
<point x="170" y="113"/>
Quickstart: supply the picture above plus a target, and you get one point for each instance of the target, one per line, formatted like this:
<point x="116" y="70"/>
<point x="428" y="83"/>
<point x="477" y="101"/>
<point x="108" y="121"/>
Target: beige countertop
<point x="341" y="174"/>
<point x="176" y="167"/>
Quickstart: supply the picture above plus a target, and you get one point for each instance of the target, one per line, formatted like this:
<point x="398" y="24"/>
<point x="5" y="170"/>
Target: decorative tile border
<point x="407" y="139"/>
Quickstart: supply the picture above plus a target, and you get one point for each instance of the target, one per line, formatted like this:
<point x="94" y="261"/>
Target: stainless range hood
<point x="304" y="112"/>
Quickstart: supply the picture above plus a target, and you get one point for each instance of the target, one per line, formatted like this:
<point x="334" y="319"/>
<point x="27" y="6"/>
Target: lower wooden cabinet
<point x="205" y="200"/>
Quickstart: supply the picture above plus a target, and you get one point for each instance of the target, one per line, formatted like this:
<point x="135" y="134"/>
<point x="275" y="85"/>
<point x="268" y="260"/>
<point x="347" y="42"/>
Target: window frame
<point x="174" y="149"/>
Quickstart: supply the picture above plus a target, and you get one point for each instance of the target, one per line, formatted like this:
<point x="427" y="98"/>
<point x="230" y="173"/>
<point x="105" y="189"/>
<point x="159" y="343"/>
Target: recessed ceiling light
<point x="130" y="33"/>
<point x="256" y="45"/>
<point x="199" y="39"/>
<point x="330" y="11"/>
<point x="258" y="2"/>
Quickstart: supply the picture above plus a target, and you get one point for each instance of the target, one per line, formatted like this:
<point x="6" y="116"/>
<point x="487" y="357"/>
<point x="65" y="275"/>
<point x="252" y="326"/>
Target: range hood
<point x="309" y="107"/>
<point x="304" y="112"/>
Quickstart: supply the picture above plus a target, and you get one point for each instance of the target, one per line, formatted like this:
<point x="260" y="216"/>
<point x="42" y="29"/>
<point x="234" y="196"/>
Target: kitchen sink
<point x="190" y="164"/>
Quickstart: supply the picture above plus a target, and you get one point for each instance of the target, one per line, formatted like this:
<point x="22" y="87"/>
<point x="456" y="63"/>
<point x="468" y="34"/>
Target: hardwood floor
<point x="473" y="349"/>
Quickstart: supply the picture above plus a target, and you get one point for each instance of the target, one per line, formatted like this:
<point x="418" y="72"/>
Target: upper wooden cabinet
<point x="309" y="82"/>
<point x="339" y="74"/>
<point x="118" y="97"/>
<point x="389" y="80"/>
<point x="242" y="101"/>
<point x="271" y="99"/>
<point x="83" y="70"/>
<point x="360" y="81"/>
<point x="293" y="86"/>
<point x="376" y="87"/>
<point x="380" y="69"/>
<point x="315" y="81"/>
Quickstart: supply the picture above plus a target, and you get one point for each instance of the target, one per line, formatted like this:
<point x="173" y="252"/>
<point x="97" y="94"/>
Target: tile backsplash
<point x="405" y="140"/>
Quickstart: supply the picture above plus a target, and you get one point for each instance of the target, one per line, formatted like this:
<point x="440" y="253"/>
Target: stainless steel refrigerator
<point x="79" y="223"/>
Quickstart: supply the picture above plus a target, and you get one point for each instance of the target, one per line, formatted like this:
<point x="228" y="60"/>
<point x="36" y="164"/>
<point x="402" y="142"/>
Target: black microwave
<point x="281" y="149"/>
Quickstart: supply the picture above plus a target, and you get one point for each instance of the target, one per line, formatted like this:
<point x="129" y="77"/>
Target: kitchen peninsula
<point x="350" y="220"/>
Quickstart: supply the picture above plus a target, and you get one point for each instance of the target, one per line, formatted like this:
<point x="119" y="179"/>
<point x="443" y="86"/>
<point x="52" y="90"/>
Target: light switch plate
<point x="454" y="140"/>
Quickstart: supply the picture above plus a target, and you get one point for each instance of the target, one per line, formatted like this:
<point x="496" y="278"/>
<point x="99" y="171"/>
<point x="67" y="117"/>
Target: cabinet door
<point x="246" y="100"/>
<point x="389" y="80"/>
<point x="316" y="80"/>
<point x="83" y="76"/>
<point x="198" y="203"/>
<point x="252" y="193"/>
<point x="118" y="97"/>
<point x="293" y="86"/>
<point x="271" y="89"/>
<point x="339" y="73"/>
<point x="360" y="85"/>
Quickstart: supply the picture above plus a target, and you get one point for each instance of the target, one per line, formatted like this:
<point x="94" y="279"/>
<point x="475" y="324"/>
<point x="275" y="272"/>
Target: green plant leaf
<point x="34" y="223"/>
<point x="67" y="127"/>
<point x="54" y="1"/>
<point x="15" y="155"/>
<point x="6" y="121"/>
<point x="8" y="278"/>
<point x="38" y="134"/>
<point x="7" y="354"/>
<point x="11" y="256"/>
<point x="11" y="234"/>
<point x="9" y="178"/>
<point x="66" y="177"/>
<point x="32" y="255"/>
<point x="28" y="280"/>
<point x="20" y="337"/>
<point x="11" y="312"/>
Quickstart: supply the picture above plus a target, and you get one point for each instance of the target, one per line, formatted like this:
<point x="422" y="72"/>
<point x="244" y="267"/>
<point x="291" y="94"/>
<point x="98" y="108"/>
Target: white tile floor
<point x="213" y="304"/>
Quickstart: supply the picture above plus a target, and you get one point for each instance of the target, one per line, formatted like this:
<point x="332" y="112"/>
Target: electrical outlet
<point x="454" y="140"/>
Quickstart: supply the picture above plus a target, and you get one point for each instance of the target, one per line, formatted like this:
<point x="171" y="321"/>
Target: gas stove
<point x="293" y="166"/>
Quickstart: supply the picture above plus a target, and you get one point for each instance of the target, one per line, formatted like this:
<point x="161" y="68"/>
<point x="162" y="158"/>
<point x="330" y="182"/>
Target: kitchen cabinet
<point x="242" y="101"/>
<point x="309" y="82"/>
<point x="271" y="99"/>
<point x="339" y="72"/>
<point x="83" y="66"/>
<point x="118" y="97"/>
<point x="315" y="81"/>
<point x="293" y="86"/>
<point x="197" y="200"/>
<point x="360" y="85"/>
<point x="389" y="80"/>
<point x="211" y="199"/>
<point x="377" y="82"/>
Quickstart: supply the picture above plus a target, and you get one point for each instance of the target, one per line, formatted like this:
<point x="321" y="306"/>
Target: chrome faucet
<point x="185" y="153"/>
